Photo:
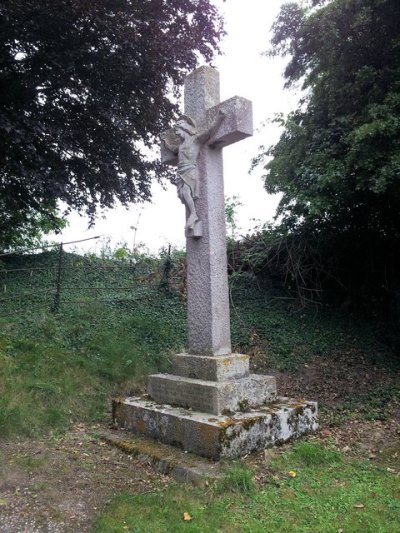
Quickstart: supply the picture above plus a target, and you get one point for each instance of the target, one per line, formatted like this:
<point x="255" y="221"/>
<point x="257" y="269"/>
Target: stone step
<point x="217" y="436"/>
<point x="215" y="397"/>
<point x="211" y="367"/>
<point x="169" y="460"/>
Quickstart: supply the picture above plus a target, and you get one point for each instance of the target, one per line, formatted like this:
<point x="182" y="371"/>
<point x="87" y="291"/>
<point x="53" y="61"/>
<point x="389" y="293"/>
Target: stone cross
<point x="216" y="125"/>
<point x="211" y="404"/>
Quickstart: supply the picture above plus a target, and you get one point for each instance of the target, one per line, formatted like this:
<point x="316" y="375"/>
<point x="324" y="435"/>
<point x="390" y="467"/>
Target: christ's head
<point x="185" y="126"/>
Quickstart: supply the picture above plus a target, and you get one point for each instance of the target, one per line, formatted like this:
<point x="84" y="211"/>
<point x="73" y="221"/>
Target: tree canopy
<point x="338" y="159"/>
<point x="337" y="163"/>
<point x="85" y="89"/>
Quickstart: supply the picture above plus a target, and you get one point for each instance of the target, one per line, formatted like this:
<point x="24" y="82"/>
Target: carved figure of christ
<point x="186" y="145"/>
<point x="211" y="125"/>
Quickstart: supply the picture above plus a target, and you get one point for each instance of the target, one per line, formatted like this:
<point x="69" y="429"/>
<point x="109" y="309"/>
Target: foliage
<point x="231" y="205"/>
<point x="265" y="318"/>
<point x="173" y="265"/>
<point x="112" y="328"/>
<point x="85" y="88"/>
<point x="290" y="259"/>
<point x="312" y="454"/>
<point x="337" y="162"/>
<point x="115" y="324"/>
<point x="25" y="229"/>
<point x="372" y="405"/>
<point x="322" y="497"/>
<point x="231" y="210"/>
<point x="236" y="478"/>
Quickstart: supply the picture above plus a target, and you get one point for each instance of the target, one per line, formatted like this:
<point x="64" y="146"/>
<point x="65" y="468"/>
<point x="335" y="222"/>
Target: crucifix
<point x="195" y="145"/>
<point x="210" y="404"/>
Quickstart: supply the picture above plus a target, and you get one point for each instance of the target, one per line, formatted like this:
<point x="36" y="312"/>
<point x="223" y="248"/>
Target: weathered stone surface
<point x="217" y="436"/>
<point x="238" y="123"/>
<point x="211" y="368"/>
<point x="212" y="396"/>
<point x="207" y="279"/>
<point x="170" y="460"/>
<point x="168" y="157"/>
<point x="202" y="91"/>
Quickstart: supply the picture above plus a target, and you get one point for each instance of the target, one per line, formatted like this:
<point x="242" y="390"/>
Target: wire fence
<point x="51" y="277"/>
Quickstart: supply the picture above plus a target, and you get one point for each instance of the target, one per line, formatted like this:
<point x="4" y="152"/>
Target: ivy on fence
<point x="55" y="277"/>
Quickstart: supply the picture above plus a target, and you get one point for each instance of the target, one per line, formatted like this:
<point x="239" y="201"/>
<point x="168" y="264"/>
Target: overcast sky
<point x="244" y="71"/>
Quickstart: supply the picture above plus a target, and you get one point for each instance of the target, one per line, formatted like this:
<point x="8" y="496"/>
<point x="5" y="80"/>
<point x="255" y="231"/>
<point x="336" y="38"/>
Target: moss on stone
<point x="244" y="405"/>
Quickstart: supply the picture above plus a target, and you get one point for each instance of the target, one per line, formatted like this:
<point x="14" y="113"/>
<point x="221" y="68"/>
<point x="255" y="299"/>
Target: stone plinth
<point x="217" y="436"/>
<point x="211" y="368"/>
<point x="214" y="397"/>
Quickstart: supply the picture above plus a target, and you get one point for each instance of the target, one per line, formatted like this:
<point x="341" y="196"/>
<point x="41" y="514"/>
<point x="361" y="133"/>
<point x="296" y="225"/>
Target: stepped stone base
<point x="217" y="436"/>
<point x="215" y="397"/>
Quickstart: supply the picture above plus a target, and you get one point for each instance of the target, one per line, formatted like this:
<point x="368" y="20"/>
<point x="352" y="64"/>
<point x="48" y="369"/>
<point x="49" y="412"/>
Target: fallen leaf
<point x="267" y="455"/>
<point x="325" y="433"/>
<point x="292" y="473"/>
<point x="359" y="506"/>
<point x="187" y="517"/>
<point x="3" y="501"/>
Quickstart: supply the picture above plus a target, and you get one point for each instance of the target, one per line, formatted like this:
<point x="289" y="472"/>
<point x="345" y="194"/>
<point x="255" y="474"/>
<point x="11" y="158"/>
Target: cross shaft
<point x="208" y="316"/>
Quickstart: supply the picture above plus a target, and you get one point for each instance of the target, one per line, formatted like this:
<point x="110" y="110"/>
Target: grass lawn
<point x="327" y="493"/>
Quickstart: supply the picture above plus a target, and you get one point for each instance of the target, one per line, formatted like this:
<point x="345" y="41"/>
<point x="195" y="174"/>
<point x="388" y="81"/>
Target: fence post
<point x="165" y="282"/>
<point x="57" y="297"/>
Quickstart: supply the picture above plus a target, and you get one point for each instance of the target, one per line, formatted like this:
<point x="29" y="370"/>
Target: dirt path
<point x="60" y="485"/>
